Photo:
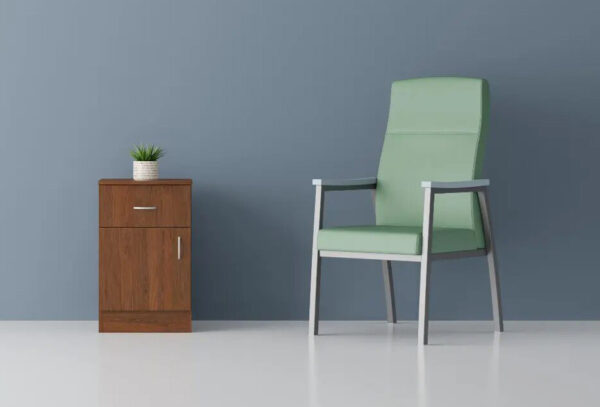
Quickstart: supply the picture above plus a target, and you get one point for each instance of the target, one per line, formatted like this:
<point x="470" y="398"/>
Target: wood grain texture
<point x="172" y="202"/>
<point x="128" y="181"/>
<point x="140" y="271"/>
<point x="144" y="280"/>
<point x="177" y="321"/>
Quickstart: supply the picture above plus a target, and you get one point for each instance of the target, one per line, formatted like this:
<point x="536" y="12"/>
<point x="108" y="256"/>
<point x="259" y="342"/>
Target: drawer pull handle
<point x="178" y="247"/>
<point x="144" y="208"/>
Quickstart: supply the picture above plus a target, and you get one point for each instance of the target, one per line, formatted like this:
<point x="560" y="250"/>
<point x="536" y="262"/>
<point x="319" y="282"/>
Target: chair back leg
<point x="388" y="285"/>
<point x="491" y="258"/>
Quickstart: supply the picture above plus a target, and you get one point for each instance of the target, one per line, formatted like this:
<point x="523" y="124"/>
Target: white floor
<point x="275" y="364"/>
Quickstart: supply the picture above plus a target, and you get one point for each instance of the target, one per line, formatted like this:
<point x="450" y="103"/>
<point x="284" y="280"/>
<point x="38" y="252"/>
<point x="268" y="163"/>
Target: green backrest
<point x="436" y="132"/>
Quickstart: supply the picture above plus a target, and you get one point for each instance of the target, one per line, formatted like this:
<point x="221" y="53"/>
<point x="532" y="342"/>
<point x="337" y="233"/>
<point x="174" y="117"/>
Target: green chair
<point x="433" y="150"/>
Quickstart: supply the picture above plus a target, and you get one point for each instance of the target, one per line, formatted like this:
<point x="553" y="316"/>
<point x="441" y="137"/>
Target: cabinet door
<point x="144" y="269"/>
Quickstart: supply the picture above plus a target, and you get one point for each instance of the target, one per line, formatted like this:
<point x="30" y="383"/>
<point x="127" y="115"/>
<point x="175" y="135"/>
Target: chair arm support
<point x="438" y="187"/>
<point x="345" y="184"/>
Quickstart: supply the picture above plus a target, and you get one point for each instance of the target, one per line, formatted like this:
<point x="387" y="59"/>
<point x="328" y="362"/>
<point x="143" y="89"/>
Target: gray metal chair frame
<point x="431" y="189"/>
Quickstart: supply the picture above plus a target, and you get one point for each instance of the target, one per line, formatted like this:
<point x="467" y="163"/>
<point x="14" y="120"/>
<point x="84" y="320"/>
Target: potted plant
<point x="145" y="164"/>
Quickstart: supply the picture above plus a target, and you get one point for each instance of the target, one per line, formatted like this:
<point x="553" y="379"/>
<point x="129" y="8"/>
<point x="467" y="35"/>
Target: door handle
<point x="178" y="247"/>
<point x="144" y="208"/>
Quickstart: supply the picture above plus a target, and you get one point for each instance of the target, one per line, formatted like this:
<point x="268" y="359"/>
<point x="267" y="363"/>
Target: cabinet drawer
<point x="145" y="206"/>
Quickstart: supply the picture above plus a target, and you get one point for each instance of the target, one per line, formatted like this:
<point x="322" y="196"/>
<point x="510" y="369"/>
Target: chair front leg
<point x="423" y="330"/>
<point x="315" y="267"/>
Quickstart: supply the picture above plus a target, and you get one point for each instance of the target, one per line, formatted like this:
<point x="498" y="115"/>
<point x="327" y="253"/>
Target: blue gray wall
<point x="252" y="99"/>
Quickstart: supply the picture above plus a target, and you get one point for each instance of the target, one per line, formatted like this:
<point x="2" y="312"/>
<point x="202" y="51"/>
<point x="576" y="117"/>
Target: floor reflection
<point x="313" y="397"/>
<point x="421" y="377"/>
<point x="440" y="370"/>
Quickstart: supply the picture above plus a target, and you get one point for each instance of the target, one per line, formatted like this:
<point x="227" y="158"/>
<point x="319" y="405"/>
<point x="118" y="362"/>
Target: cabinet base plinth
<point x="145" y="321"/>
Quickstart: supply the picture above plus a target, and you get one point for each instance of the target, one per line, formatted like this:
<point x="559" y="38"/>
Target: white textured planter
<point x="145" y="170"/>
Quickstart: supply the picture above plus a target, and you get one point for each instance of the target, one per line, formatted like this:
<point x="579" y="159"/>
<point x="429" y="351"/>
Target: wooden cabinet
<point x="144" y="259"/>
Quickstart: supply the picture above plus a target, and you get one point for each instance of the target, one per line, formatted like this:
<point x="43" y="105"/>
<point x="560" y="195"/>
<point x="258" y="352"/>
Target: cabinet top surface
<point x="129" y="181"/>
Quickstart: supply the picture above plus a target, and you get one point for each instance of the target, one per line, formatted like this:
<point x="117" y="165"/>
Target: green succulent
<point x="146" y="152"/>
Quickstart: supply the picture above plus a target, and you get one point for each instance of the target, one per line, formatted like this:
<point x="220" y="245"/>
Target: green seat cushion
<point x="395" y="239"/>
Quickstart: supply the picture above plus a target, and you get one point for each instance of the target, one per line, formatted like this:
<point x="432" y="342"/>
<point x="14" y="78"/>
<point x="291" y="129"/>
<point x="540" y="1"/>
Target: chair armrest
<point x="345" y="184"/>
<point x="456" y="186"/>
